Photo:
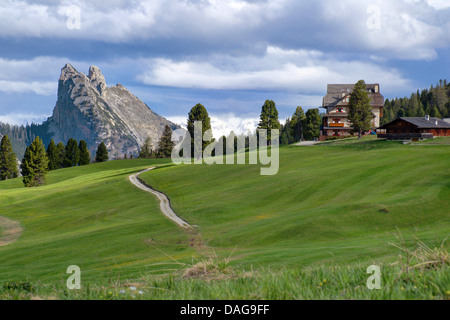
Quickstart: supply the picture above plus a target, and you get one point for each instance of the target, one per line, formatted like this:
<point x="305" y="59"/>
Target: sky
<point x="228" y="55"/>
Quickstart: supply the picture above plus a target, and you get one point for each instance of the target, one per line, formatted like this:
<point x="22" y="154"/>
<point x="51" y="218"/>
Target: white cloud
<point x="410" y="29"/>
<point x="36" y="68"/>
<point x="22" y="118"/>
<point x="278" y="69"/>
<point x="40" y="88"/>
<point x="122" y="21"/>
<point x="439" y="4"/>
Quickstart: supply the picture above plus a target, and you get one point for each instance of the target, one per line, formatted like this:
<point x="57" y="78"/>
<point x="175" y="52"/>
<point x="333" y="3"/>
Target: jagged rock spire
<point x="68" y="71"/>
<point x="97" y="79"/>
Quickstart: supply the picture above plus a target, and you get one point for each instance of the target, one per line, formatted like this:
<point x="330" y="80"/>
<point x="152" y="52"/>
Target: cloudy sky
<point x="229" y="55"/>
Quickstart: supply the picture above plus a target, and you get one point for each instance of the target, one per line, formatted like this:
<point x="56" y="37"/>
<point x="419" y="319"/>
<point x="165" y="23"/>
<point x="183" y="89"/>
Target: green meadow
<point x="88" y="216"/>
<point x="334" y="203"/>
<point x="330" y="212"/>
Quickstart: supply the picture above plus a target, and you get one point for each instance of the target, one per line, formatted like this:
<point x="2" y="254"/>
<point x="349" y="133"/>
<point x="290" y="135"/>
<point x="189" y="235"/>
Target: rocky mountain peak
<point x="67" y="72"/>
<point x="96" y="75"/>
<point x="88" y="110"/>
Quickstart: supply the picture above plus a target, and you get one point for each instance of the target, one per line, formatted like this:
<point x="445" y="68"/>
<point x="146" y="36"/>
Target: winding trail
<point x="11" y="231"/>
<point x="163" y="200"/>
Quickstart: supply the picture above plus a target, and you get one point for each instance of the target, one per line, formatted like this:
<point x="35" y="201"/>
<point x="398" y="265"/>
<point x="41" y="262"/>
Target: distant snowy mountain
<point x="222" y="125"/>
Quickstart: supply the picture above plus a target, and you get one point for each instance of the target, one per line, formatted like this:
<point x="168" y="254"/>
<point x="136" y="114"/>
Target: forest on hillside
<point x="22" y="136"/>
<point x="434" y="102"/>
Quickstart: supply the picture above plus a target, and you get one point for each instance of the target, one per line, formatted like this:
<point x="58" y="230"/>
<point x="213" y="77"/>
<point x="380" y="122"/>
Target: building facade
<point x="335" y="121"/>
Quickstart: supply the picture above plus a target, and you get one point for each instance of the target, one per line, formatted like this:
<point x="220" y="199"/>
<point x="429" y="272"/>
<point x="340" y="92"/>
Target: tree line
<point x="434" y="102"/>
<point x="38" y="161"/>
<point x="163" y="148"/>
<point x="25" y="134"/>
<point x="301" y="126"/>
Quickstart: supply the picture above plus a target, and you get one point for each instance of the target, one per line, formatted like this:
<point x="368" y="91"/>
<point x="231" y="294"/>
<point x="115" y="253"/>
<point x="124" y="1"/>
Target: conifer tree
<point x="360" y="111"/>
<point x="102" y="153"/>
<point x="34" y="164"/>
<point x="297" y="124"/>
<point x="166" y="144"/>
<point x="60" y="152"/>
<point x="146" y="149"/>
<point x="269" y="118"/>
<point x="53" y="156"/>
<point x="71" y="154"/>
<point x="286" y="136"/>
<point x="8" y="161"/>
<point x="198" y="113"/>
<point x="85" y="156"/>
<point x="435" y="112"/>
<point x="312" y="124"/>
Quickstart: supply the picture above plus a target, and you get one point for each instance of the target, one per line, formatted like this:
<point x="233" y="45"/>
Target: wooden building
<point x="414" y="128"/>
<point x="335" y="121"/>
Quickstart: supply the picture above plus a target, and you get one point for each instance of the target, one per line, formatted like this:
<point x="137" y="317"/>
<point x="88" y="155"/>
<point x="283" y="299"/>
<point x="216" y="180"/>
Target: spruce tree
<point x="71" y="154"/>
<point x="146" y="149"/>
<point x="312" y="124"/>
<point x="85" y="156"/>
<point x="297" y="124"/>
<point x="60" y="152"/>
<point x="269" y="118"/>
<point x="198" y="113"/>
<point x="53" y="156"/>
<point x="102" y="153"/>
<point x="360" y="110"/>
<point x="166" y="144"/>
<point x="34" y="164"/>
<point x="435" y="112"/>
<point x="286" y="136"/>
<point x="8" y="161"/>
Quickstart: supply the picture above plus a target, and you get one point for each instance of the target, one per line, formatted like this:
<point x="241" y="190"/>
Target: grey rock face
<point x="88" y="110"/>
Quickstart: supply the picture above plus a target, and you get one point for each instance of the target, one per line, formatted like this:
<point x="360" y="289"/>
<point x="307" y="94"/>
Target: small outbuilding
<point x="414" y="129"/>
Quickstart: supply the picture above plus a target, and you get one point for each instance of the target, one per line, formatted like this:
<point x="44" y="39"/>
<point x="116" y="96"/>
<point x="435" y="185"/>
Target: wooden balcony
<point x="338" y="125"/>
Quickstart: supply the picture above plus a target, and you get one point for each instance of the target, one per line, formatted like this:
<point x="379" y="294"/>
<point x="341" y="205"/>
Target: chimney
<point x="427" y="117"/>
<point x="436" y="122"/>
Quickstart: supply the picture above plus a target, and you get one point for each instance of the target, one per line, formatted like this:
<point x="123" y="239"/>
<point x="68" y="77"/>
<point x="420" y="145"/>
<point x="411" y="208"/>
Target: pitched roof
<point x="337" y="92"/>
<point x="422" y="123"/>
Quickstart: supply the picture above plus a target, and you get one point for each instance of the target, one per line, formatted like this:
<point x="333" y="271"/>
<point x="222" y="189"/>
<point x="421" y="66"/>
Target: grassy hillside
<point x="91" y="217"/>
<point x="339" y="202"/>
<point x="331" y="207"/>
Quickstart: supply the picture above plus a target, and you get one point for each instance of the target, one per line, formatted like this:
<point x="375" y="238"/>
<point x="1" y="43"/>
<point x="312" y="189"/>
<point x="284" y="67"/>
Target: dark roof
<point x="421" y="123"/>
<point x="337" y="92"/>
